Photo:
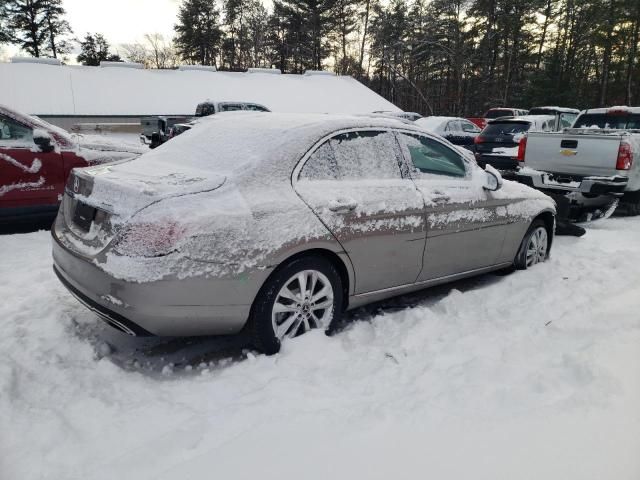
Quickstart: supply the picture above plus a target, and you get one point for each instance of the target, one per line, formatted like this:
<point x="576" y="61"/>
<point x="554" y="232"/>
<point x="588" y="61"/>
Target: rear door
<point x="28" y="176"/>
<point x="466" y="225"/>
<point x="353" y="183"/>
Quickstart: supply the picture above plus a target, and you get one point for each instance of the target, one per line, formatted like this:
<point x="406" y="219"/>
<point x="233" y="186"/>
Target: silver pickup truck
<point x="597" y="160"/>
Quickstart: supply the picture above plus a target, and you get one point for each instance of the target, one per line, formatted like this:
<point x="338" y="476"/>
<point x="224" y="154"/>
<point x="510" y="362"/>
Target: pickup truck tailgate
<point x="582" y="155"/>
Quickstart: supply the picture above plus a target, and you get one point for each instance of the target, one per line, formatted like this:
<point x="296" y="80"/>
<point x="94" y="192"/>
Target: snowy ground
<point x="534" y="375"/>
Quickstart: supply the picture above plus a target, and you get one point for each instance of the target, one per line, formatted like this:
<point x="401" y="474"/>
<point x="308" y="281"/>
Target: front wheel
<point x="304" y="294"/>
<point x="534" y="247"/>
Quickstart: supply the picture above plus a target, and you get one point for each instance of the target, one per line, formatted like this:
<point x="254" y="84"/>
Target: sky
<point x="120" y="21"/>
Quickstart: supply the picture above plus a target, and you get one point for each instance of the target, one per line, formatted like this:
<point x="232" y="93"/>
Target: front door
<point x="465" y="224"/>
<point x="28" y="177"/>
<point x="353" y="183"/>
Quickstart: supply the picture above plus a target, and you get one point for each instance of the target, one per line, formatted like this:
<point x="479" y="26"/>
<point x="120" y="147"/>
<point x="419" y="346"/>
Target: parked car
<point x="156" y="130"/>
<point x="410" y="116"/>
<point x="458" y="131"/>
<point x="281" y="229"/>
<point x="35" y="160"/>
<point x="209" y="107"/>
<point x="494" y="113"/>
<point x="565" y="117"/>
<point x="596" y="159"/>
<point x="498" y="142"/>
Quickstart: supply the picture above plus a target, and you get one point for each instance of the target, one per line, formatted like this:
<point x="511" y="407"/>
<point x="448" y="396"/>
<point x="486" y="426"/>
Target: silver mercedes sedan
<point x="278" y="223"/>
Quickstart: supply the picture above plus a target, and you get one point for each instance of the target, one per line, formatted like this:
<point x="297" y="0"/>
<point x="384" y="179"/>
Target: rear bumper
<point x="167" y="307"/>
<point x="614" y="186"/>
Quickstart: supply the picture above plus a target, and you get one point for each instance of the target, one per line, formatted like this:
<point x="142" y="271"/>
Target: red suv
<point x="35" y="160"/>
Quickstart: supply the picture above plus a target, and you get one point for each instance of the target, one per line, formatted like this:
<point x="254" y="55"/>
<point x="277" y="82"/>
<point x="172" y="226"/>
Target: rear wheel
<point x="534" y="247"/>
<point x="304" y="294"/>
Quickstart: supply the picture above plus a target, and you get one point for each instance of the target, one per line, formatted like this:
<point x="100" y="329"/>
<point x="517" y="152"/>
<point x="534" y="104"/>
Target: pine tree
<point x="5" y="36"/>
<point x="27" y="25"/>
<point x="198" y="32"/>
<point x="37" y="26"/>
<point x="57" y="28"/>
<point x="95" y="49"/>
<point x="307" y="24"/>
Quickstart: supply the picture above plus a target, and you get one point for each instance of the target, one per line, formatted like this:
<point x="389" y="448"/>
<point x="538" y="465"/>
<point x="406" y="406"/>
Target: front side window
<point x="10" y="130"/>
<point x="363" y="155"/>
<point x="432" y="157"/>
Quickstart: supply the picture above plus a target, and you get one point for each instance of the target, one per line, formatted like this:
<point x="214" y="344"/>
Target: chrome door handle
<point x="342" y="205"/>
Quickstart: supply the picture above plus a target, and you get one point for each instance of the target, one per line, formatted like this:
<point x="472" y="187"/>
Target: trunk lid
<point x="99" y="200"/>
<point x="574" y="154"/>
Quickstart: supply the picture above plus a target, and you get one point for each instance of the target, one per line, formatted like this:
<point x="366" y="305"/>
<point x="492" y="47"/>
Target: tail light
<point x="478" y="139"/>
<point x="522" y="148"/>
<point x="150" y="239"/>
<point x="625" y="156"/>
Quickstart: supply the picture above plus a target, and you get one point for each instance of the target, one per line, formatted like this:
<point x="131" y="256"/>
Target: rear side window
<point x="364" y="155"/>
<point x="432" y="157"/>
<point x="505" y="128"/>
<point x="567" y="119"/>
<point x="453" y="126"/>
<point x="469" y="127"/>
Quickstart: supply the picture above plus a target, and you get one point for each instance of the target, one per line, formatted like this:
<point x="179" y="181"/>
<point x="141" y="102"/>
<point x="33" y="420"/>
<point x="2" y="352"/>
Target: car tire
<point x="280" y="303"/>
<point x="534" y="247"/>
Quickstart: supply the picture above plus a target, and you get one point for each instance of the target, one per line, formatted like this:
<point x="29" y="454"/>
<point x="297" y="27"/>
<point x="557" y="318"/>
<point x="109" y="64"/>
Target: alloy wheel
<point x="537" y="246"/>
<point x="304" y="302"/>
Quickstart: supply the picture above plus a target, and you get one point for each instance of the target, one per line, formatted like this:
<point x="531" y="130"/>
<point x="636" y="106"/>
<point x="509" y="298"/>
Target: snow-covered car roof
<point x="234" y="143"/>
<point x="557" y="109"/>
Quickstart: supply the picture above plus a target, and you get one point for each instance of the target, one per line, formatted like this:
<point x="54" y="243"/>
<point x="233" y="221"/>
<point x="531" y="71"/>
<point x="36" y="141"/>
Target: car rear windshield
<point x="608" y="120"/>
<point x="499" y="112"/>
<point x="498" y="129"/>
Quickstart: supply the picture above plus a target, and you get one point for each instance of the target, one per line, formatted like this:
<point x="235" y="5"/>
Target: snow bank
<point x="529" y="376"/>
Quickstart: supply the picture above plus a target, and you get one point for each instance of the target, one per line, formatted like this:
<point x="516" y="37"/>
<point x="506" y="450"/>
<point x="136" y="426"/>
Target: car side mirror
<point x="493" y="179"/>
<point x="43" y="140"/>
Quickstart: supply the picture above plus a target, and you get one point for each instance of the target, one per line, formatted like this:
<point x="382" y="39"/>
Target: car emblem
<point x="568" y="153"/>
<point x="76" y="185"/>
<point x="499" y="140"/>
